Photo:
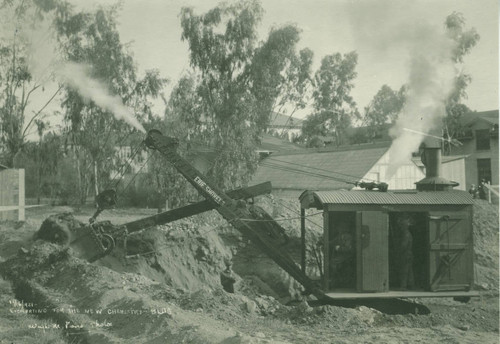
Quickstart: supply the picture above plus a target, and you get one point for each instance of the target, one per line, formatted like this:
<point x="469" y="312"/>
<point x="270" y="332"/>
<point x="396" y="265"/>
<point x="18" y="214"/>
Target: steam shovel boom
<point x="236" y="213"/>
<point x="195" y="208"/>
<point x="98" y="238"/>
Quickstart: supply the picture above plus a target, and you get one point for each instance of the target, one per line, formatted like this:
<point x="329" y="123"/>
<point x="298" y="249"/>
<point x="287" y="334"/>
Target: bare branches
<point x="40" y="110"/>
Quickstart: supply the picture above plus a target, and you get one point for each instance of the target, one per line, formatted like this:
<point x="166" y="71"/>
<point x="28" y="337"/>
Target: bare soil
<point x="164" y="287"/>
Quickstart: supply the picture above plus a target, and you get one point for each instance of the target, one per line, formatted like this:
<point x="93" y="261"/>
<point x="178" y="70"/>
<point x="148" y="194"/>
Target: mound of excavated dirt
<point x="486" y="240"/>
<point x="15" y="327"/>
<point x="94" y="304"/>
<point x="262" y="273"/>
<point x="57" y="228"/>
<point x="190" y="254"/>
<point x="184" y="255"/>
<point x="163" y="287"/>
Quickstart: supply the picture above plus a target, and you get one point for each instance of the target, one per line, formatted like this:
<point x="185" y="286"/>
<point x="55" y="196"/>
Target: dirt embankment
<point x="164" y="286"/>
<point x="486" y="239"/>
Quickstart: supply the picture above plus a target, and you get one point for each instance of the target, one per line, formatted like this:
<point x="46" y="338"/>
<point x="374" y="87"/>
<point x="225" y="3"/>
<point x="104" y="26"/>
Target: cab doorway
<point x="408" y="251"/>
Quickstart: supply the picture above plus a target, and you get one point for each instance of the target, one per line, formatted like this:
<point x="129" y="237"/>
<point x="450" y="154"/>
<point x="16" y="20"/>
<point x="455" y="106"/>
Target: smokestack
<point x="431" y="158"/>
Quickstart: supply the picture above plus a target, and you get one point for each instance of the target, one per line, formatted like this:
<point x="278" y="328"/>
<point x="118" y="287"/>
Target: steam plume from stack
<point x="386" y="28"/>
<point x="77" y="77"/>
<point x="432" y="75"/>
<point x="44" y="63"/>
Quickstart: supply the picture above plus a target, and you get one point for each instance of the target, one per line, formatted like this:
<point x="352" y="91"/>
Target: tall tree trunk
<point x="96" y="185"/>
<point x="39" y="165"/>
<point x="80" y="181"/>
<point x="38" y="186"/>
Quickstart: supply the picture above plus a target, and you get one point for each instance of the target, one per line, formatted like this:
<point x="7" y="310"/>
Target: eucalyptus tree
<point x="183" y="120"/>
<point x="90" y="40"/>
<point x="383" y="109"/>
<point x="281" y="77"/>
<point x="240" y="80"/>
<point x="334" y="107"/>
<point x="465" y="40"/>
<point x="20" y="21"/>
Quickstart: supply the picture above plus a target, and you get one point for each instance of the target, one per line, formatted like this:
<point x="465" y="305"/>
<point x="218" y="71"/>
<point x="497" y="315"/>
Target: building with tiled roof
<point x="274" y="145"/>
<point x="332" y="169"/>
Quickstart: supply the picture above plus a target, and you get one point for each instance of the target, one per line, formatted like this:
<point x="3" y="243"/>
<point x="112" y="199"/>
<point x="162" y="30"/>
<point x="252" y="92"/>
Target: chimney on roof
<point x="431" y="158"/>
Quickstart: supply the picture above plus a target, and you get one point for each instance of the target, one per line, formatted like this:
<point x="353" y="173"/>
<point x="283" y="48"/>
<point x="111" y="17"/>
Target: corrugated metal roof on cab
<point x="406" y="197"/>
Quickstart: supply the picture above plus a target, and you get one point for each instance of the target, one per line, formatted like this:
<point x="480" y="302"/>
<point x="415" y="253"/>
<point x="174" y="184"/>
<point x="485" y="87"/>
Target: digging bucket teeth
<point x="93" y="241"/>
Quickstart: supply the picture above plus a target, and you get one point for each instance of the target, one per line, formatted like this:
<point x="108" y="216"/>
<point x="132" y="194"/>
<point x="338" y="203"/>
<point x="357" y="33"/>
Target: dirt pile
<point x="15" y="326"/>
<point x="191" y="253"/>
<point x="94" y="304"/>
<point x="163" y="286"/>
<point x="486" y="242"/>
<point x="262" y="274"/>
<point x="185" y="255"/>
<point x="90" y="303"/>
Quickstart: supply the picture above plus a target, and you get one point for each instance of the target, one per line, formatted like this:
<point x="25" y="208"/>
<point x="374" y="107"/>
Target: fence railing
<point x="12" y="194"/>
<point x="492" y="189"/>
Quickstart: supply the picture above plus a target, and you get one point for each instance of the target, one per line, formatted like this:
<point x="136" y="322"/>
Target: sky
<point x="382" y="32"/>
<point x="379" y="31"/>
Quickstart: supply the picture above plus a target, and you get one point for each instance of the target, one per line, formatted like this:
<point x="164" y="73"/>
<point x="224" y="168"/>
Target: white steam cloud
<point x="46" y="67"/>
<point x="385" y="28"/>
<point x="77" y="77"/>
<point x="432" y="75"/>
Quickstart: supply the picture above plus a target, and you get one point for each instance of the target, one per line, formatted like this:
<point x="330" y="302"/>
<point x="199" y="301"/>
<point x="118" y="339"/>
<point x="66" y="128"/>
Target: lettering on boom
<point x="208" y="190"/>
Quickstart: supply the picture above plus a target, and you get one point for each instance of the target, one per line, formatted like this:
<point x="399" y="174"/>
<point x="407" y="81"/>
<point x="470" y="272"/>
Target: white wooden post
<point x="12" y="198"/>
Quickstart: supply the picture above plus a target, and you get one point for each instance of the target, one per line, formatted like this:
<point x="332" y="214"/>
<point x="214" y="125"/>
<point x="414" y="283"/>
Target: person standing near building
<point x="473" y="191"/>
<point x="405" y="252"/>
<point x="482" y="189"/>
<point x="342" y="257"/>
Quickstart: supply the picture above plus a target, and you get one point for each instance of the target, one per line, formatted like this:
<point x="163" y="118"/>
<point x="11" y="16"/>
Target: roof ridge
<point x="377" y="145"/>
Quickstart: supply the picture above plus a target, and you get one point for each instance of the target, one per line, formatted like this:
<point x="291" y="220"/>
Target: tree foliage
<point x="334" y="106"/>
<point x="240" y="81"/>
<point x="47" y="155"/>
<point x="295" y="87"/>
<point x="91" y="39"/>
<point x="280" y="76"/>
<point x="465" y="40"/>
<point x="18" y="85"/>
<point x="383" y="109"/>
<point x="221" y="44"/>
<point x="183" y="120"/>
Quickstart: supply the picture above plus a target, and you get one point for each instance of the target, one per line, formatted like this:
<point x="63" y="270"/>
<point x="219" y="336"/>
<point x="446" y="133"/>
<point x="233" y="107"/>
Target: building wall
<point x="455" y="171"/>
<point x="469" y="148"/>
<point x="405" y="177"/>
<point x="291" y="132"/>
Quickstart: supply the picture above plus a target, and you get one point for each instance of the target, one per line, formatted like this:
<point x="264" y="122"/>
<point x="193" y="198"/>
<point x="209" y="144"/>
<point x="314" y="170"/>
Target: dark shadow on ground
<point x="387" y="306"/>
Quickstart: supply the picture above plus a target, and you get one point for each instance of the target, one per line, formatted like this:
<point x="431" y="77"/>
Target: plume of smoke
<point x="384" y="26"/>
<point x="45" y="64"/>
<point x="77" y="77"/>
<point x="431" y="79"/>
